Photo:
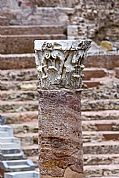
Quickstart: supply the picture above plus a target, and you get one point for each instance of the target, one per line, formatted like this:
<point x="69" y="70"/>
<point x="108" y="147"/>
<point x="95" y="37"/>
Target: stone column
<point x="59" y="65"/>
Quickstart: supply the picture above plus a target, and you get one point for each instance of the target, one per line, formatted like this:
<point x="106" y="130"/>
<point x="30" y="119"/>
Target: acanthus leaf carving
<point x="59" y="63"/>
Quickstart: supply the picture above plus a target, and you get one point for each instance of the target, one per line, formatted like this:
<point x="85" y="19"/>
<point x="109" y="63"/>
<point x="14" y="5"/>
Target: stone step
<point x="31" y="137"/>
<point x="18" y="95"/>
<point x="109" y="115"/>
<point x="17" y="165"/>
<point x="4" y="146"/>
<point x="6" y="129"/>
<point x="91" y="84"/>
<point x="28" y="138"/>
<point x="19" y="44"/>
<point x="117" y="72"/>
<point x="104" y="147"/>
<point x="9" y="139"/>
<point x="96" y="105"/>
<point x="99" y="159"/>
<point x="25" y="127"/>
<point x="29" y="105"/>
<point x="20" y="61"/>
<point x="101" y="170"/>
<point x="3" y="20"/>
<point x="34" y="159"/>
<point x="21" y="117"/>
<point x="98" y="136"/>
<point x="19" y="75"/>
<point x="93" y="120"/>
<point x="32" y="85"/>
<point x="18" y="106"/>
<point x="105" y="177"/>
<point x="100" y="115"/>
<point x="107" y="128"/>
<point x="16" y="156"/>
<point x="31" y="74"/>
<point x="100" y="125"/>
<point x="17" y="61"/>
<point x="30" y="150"/>
<point x="108" y="61"/>
<point x="106" y="91"/>
<point x="32" y="29"/>
<point x="24" y="174"/>
<point x="94" y="73"/>
<point x="91" y="159"/>
<point x="21" y="95"/>
<point x="19" y="85"/>
<point x="5" y="134"/>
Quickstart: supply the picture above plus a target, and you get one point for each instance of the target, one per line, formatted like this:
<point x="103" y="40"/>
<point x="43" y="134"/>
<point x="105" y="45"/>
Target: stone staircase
<point x="100" y="101"/>
<point x="12" y="159"/>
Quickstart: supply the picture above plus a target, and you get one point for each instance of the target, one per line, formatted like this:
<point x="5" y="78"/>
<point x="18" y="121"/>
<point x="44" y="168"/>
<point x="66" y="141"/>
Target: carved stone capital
<point x="60" y="63"/>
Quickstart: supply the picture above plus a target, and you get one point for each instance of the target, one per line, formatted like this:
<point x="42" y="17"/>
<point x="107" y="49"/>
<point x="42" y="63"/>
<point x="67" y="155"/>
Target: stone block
<point x="7" y="130"/>
<point x="7" y="144"/>
<point x="72" y="31"/>
<point x="11" y="144"/>
<point x="10" y="151"/>
<point x="25" y="174"/>
<point x="94" y="73"/>
<point x="17" y="165"/>
<point x="4" y="134"/>
<point x="9" y="140"/>
<point x="106" y="45"/>
<point x="11" y="44"/>
<point x="32" y="29"/>
<point x="117" y="72"/>
<point x="8" y="156"/>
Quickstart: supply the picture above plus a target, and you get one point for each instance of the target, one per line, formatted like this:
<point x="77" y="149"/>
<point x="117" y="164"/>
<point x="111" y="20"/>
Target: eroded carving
<point x="60" y="63"/>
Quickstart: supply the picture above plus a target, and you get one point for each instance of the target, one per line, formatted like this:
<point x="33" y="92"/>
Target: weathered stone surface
<point x="61" y="142"/>
<point x="59" y="65"/>
<point x="107" y="45"/>
<point x="117" y="72"/>
<point x="96" y="19"/>
<point x="17" y="61"/>
<point x="102" y="60"/>
<point x="11" y="44"/>
<point x="22" y="61"/>
<point x="32" y="29"/>
<point x="17" y="165"/>
<point x="29" y="174"/>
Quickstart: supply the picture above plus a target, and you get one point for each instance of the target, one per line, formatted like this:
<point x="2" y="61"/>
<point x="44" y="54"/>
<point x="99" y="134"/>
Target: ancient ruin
<point x="24" y="21"/>
<point x="13" y="163"/>
<point x="60" y="65"/>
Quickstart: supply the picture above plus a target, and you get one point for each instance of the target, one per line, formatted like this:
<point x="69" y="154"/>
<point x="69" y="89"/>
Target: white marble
<point x="10" y="145"/>
<point x="7" y="129"/>
<point x="9" y="140"/>
<point x="60" y="62"/>
<point x="25" y="174"/>
<point x="5" y="134"/>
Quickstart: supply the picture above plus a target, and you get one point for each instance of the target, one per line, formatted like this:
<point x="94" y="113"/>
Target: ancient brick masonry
<point x="59" y="65"/>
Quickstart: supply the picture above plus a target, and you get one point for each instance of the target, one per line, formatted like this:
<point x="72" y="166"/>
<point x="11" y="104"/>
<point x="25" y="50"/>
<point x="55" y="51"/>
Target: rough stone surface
<point x="61" y="142"/>
<point x="117" y="72"/>
<point x="59" y="65"/>
<point x="94" y="19"/>
<point x="97" y="19"/>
